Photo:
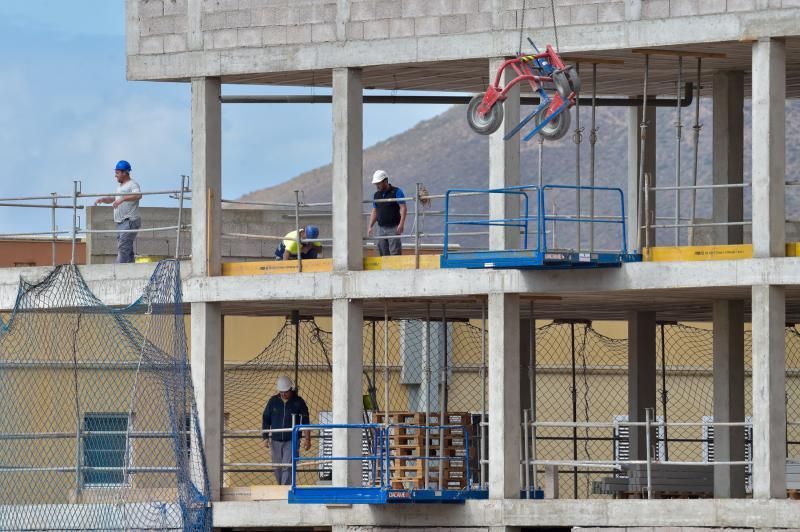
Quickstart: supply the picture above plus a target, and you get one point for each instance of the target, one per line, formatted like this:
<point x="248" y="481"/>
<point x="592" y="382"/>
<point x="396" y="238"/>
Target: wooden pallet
<point x="793" y="494"/>
<point x="406" y="418"/>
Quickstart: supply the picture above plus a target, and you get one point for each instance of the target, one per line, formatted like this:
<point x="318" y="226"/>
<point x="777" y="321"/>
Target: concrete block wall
<point x="102" y="248"/>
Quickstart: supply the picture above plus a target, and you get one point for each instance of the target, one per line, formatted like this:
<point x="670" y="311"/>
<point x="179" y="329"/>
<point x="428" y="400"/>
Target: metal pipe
<point x="592" y="142"/>
<point x="297" y="230"/>
<point x="39" y="206"/>
<point x="443" y="396"/>
<point x="416" y="228"/>
<point x="647" y="211"/>
<point x="696" y="129"/>
<point x="75" y="192"/>
<point x="678" y="132"/>
<point x="532" y="348"/>
<point x="699" y="187"/>
<point x="642" y="147"/>
<point x="577" y="139"/>
<point x="427" y="389"/>
<point x="386" y="358"/>
<point x="184" y="179"/>
<point x="525" y="427"/>
<point x="709" y="224"/>
<point x="92" y="195"/>
<point x="53" y="227"/>
<point x="648" y="415"/>
<point x="483" y="453"/>
<point x="446" y="100"/>
<point x="574" y="414"/>
<point x="664" y="390"/>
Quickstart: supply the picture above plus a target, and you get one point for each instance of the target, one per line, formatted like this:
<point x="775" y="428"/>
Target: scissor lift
<point x="378" y="490"/>
<point x="535" y="253"/>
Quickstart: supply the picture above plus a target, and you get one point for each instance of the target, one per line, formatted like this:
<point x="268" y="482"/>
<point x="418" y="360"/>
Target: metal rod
<point x="696" y="138"/>
<point x="296" y="320"/>
<point x="704" y="224"/>
<point x="577" y="138"/>
<point x="574" y="413"/>
<point x="75" y="192"/>
<point x="184" y="179"/>
<point x="533" y="387"/>
<point x="416" y="228"/>
<point x="648" y="415"/>
<point x="664" y="391"/>
<point x="699" y="187"/>
<point x="483" y="453"/>
<point x="592" y="142"/>
<point x="84" y="195"/>
<point x="525" y="427"/>
<point x="647" y="210"/>
<point x="678" y="132"/>
<point x="442" y="395"/>
<point x="39" y="206"/>
<point x="442" y="100"/>
<point x="427" y="387"/>
<point x="53" y="227"/>
<point x="642" y="147"/>
<point x="386" y="358"/>
<point x="297" y="230"/>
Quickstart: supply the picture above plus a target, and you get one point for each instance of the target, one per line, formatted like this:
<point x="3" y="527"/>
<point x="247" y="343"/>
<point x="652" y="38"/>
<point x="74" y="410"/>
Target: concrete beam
<point x="348" y="318"/>
<point x="206" y="177"/>
<point x="728" y="317"/>
<point x="769" y="392"/>
<point x="347" y="169"/>
<point x="641" y="378"/>
<point x="504" y="401"/>
<point x="728" y="155"/>
<point x="504" y="169"/>
<point x="207" y="379"/>
<point x="769" y="148"/>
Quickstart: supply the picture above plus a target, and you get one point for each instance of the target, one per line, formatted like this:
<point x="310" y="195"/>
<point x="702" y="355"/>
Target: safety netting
<point x="98" y="425"/>
<point x="581" y="375"/>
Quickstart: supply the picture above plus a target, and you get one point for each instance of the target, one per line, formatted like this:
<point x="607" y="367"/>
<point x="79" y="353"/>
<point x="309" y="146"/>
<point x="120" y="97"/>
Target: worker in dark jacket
<point x="284" y="410"/>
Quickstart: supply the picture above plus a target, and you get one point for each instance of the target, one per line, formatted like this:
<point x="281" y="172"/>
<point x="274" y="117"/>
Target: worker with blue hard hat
<point x="126" y="210"/>
<point x="287" y="249"/>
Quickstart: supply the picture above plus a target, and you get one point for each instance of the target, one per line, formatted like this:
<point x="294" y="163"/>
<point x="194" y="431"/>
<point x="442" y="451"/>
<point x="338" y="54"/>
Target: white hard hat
<point x="379" y="176"/>
<point x="284" y="383"/>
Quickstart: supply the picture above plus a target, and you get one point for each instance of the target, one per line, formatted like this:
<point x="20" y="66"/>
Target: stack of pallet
<point x="445" y="449"/>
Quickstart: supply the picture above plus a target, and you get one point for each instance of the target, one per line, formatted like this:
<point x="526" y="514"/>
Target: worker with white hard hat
<point x="284" y="410"/>
<point x="388" y="214"/>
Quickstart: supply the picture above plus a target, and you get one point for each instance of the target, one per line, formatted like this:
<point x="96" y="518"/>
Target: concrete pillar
<point x="347" y="169"/>
<point x="641" y="377"/>
<point x="206" y="177"/>
<point x="207" y="379"/>
<point x="728" y="317"/>
<point x="348" y="318"/>
<point x="728" y="155"/>
<point x="769" y="392"/>
<point x="504" y="411"/>
<point x="504" y="168"/>
<point x="769" y="147"/>
<point x="634" y="196"/>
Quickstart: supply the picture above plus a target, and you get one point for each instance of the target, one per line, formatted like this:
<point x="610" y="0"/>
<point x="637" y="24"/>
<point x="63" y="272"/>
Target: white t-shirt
<point x="127" y="210"/>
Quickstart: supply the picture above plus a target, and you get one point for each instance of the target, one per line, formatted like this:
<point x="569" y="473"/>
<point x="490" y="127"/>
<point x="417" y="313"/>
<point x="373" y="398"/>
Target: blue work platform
<point x="378" y="490"/>
<point x="534" y="253"/>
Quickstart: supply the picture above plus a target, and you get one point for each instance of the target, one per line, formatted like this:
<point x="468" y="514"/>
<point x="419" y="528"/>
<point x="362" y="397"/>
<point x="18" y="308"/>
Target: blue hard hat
<point x="123" y="165"/>
<point x="312" y="231"/>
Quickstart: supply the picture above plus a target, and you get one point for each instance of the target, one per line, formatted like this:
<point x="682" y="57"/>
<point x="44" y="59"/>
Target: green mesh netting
<point x="98" y="427"/>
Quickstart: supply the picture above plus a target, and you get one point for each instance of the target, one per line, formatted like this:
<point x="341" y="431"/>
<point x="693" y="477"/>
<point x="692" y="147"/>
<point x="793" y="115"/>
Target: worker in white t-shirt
<point x="126" y="210"/>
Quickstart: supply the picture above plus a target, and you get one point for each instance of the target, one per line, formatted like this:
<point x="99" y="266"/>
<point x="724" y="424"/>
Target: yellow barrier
<point x="701" y="253"/>
<point x="271" y="267"/>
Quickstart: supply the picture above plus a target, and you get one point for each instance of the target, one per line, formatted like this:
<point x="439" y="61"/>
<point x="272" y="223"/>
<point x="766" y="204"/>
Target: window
<point x="104" y="450"/>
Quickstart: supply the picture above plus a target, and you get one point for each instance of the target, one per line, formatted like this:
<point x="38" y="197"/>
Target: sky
<point x="68" y="113"/>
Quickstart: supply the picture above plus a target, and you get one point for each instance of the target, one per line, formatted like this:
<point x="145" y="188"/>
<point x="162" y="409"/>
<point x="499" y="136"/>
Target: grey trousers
<point x="388" y="246"/>
<point x="125" y="240"/>
<point x="282" y="454"/>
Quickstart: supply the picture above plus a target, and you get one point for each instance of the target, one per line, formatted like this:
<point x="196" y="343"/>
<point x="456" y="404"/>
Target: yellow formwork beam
<point x="273" y="267"/>
<point x="700" y="253"/>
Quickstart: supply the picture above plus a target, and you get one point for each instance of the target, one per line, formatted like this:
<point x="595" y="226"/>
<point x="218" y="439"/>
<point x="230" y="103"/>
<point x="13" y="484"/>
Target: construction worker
<point x="126" y="210"/>
<point x="284" y="410"/>
<point x="390" y="216"/>
<point x="287" y="249"/>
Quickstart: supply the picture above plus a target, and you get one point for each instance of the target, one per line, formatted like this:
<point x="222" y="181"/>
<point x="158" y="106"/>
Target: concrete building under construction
<point x="629" y="53"/>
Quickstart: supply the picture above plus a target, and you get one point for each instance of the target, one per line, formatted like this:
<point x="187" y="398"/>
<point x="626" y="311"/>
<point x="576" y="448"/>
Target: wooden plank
<point x="269" y="493"/>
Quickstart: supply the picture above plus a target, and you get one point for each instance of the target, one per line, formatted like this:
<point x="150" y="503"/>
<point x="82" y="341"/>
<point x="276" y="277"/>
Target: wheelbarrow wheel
<point x="488" y="123"/>
<point x="555" y="128"/>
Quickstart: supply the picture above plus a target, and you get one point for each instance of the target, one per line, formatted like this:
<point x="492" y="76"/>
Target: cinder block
<point x="237" y="19"/>
<point x="534" y="18"/>
<point x="157" y="26"/>
<point x="151" y="9"/>
<point x="741" y="5"/>
<point x="511" y="20"/>
<point x="362" y="10"/>
<point x="354" y="31"/>
<point x="175" y="43"/>
<point x="712" y="6"/>
<point x="790" y="3"/>
<point x="323" y="33"/>
<point x="684" y="8"/>
<point x="655" y="9"/>
<point x="401" y="27"/>
<point x="453" y="24"/>
<point x="269" y="16"/>
<point x="427" y="8"/>
<point x="426" y="26"/>
<point x="225" y="38"/>
<point x="486" y="6"/>
<point x="388" y="9"/>
<point x="221" y="5"/>
<point x="212" y="21"/>
<point x="376" y="29"/>
<point x="464" y="7"/>
<point x="298" y="34"/>
<point x="175" y="7"/>
<point x="583" y="15"/>
<point x="477" y="22"/>
<point x="562" y="15"/>
<point x="249" y="37"/>
<point x="152" y="45"/>
<point x="614" y="12"/>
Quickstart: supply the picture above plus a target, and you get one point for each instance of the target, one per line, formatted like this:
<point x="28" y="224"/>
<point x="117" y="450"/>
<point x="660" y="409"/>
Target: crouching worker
<point x="287" y="250"/>
<point x="284" y="410"/>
